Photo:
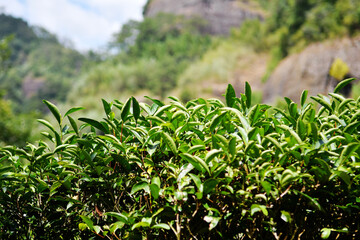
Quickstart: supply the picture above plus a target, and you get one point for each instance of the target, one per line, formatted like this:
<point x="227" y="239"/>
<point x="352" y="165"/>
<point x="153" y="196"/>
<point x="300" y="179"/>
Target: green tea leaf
<point x="220" y="139"/>
<point x="157" y="102"/>
<point x="325" y="233"/>
<point x="72" y="110"/>
<point x="314" y="202"/>
<point x="346" y="153"/>
<point x="82" y="226"/>
<point x="212" y="154"/>
<point x="257" y="208"/>
<point x="323" y="102"/>
<point x="196" y="148"/>
<point x="185" y="169"/>
<point x="232" y="146"/>
<point x="197" y="182"/>
<point x="154" y="190"/>
<point x="136" y="108"/>
<point x="55" y="186"/>
<point x="286" y="216"/>
<point x="163" y="109"/>
<point x="95" y="124"/>
<point x="47" y="124"/>
<point x="140" y="186"/>
<point x="107" y="106"/>
<point x="197" y="162"/>
<point x="54" y="110"/>
<point x="303" y="98"/>
<point x="230" y="96"/>
<point x="125" y="110"/>
<point x="140" y="224"/>
<point x="275" y="143"/>
<point x="169" y="142"/>
<point x="161" y="226"/>
<point x="344" y="176"/>
<point x="216" y="121"/>
<point x="88" y="222"/>
<point x="119" y="216"/>
<point x="209" y="185"/>
<point x="248" y="94"/>
<point x="115" y="226"/>
<point x="212" y="220"/>
<point x="342" y="84"/>
<point x="97" y="229"/>
<point x="156" y="181"/>
<point x="240" y="116"/>
<point x="124" y="163"/>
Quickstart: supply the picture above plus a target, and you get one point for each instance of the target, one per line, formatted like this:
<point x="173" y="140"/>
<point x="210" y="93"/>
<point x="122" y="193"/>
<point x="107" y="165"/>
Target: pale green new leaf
<point x="140" y="186"/>
<point x="212" y="154"/>
<point x="342" y="84"/>
<point x="325" y="233"/>
<point x="346" y="153"/>
<point x="88" y="222"/>
<point x="169" y="142"/>
<point x="197" y="162"/>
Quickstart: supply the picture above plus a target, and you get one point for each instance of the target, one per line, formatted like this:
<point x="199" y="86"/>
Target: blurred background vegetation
<point x="157" y="56"/>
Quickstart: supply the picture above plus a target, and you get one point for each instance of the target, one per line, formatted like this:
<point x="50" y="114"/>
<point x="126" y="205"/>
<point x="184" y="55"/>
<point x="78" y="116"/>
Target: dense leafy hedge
<point x="202" y="170"/>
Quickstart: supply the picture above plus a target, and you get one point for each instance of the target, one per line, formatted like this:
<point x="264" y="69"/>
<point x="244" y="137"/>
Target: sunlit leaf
<point x="197" y="162"/>
<point x="342" y="84"/>
<point x="161" y="226"/>
<point x="135" y="108"/>
<point x="325" y="233"/>
<point x="212" y="154"/>
<point x="346" y="153"/>
<point x="72" y="110"/>
<point x="140" y="186"/>
<point x="54" y="110"/>
<point x="303" y="97"/>
<point x="258" y="208"/>
<point x="286" y="216"/>
<point x="88" y="222"/>
<point x="125" y="110"/>
<point x="94" y="123"/>
<point x="155" y="190"/>
<point x="115" y="226"/>
<point x="169" y="142"/>
<point x="119" y="216"/>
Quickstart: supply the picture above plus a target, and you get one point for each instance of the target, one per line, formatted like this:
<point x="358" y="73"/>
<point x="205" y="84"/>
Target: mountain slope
<point x="310" y="69"/>
<point x="220" y="15"/>
<point x="41" y="67"/>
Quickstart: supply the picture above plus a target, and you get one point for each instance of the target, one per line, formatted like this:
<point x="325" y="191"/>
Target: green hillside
<point x="40" y="67"/>
<point x="34" y="66"/>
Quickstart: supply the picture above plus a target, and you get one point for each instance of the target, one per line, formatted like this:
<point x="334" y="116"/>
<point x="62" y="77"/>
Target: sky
<point x="88" y="24"/>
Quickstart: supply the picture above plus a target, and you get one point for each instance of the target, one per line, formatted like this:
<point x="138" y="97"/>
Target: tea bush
<point x="200" y="170"/>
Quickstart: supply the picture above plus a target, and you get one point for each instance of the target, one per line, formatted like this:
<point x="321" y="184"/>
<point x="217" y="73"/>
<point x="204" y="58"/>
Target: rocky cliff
<point x="221" y="15"/>
<point x="310" y="69"/>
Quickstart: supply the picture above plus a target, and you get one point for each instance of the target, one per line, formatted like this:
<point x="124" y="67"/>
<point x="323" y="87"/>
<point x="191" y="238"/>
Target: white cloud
<point x="88" y="23"/>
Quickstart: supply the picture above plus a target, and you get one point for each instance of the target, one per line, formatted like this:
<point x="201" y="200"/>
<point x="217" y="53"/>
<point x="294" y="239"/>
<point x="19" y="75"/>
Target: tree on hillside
<point x="13" y="129"/>
<point x="42" y="67"/>
<point x="5" y="53"/>
<point x="170" y="42"/>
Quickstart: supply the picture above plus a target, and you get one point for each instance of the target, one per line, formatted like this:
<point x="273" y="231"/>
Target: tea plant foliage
<point x="206" y="169"/>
